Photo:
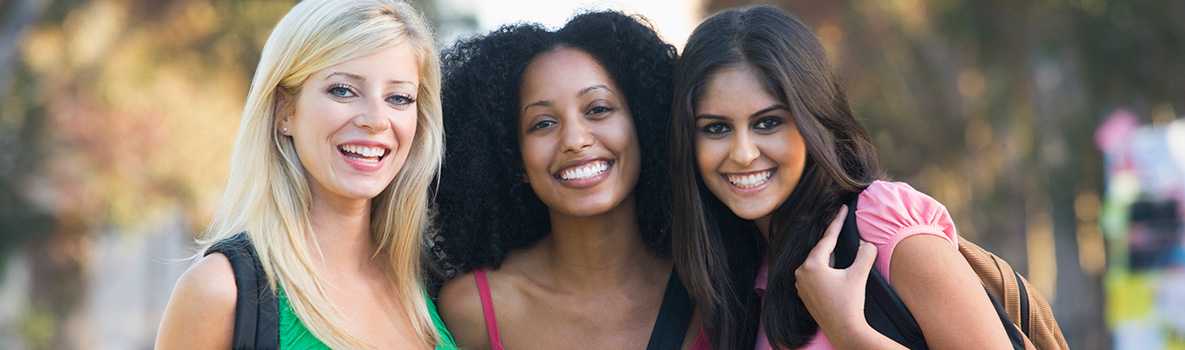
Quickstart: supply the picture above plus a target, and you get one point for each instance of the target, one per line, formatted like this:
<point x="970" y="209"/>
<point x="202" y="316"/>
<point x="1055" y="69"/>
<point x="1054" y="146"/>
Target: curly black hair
<point x="484" y="208"/>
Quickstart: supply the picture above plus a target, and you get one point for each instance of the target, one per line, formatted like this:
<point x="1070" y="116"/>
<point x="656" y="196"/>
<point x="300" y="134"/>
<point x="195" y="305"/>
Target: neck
<point x="598" y="251"/>
<point x="763" y="228"/>
<point x="341" y="228"/>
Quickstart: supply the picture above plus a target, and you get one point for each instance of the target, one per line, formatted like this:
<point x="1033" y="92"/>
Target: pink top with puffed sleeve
<point x="886" y="213"/>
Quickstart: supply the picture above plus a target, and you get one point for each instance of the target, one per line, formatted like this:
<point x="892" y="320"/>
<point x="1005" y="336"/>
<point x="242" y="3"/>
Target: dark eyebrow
<point x="751" y="116"/>
<point x="710" y="116"/>
<point x="769" y="109"/>
<point x="540" y="103"/>
<point x="547" y="103"/>
<point x="594" y="87"/>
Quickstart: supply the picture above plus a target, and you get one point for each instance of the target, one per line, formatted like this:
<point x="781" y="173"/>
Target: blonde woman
<point x="319" y="237"/>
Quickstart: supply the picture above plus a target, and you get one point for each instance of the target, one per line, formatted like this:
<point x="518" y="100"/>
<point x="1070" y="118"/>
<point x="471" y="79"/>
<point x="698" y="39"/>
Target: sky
<point x="673" y="19"/>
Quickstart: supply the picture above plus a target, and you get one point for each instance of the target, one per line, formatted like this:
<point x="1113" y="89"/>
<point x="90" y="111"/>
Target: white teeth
<point x="365" y="151"/>
<point x="750" y="180"/>
<point x="585" y="171"/>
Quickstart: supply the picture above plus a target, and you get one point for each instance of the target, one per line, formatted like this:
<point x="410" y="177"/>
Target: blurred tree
<point x="118" y="111"/>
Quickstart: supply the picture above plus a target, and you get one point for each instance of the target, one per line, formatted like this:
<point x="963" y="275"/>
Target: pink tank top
<point x="495" y="338"/>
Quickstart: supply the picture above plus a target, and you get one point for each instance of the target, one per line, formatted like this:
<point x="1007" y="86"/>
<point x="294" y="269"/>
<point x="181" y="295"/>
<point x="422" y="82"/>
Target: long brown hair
<point x="717" y="253"/>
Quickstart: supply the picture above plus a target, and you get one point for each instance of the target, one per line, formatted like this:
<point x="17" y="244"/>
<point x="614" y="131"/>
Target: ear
<point x="285" y="110"/>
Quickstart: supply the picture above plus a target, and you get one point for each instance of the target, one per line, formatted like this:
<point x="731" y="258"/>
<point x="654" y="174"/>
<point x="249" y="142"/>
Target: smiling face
<point x="576" y="134"/>
<point x="748" y="150"/>
<point x="353" y="124"/>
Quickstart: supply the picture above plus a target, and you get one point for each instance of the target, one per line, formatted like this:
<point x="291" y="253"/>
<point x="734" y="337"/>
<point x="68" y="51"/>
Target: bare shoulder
<point x="934" y="280"/>
<point x="200" y="313"/>
<point x="460" y="308"/>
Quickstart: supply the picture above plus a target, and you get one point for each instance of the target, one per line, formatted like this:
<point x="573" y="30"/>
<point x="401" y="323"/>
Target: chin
<point x="590" y="207"/>
<point x="751" y="213"/>
<point x="359" y="192"/>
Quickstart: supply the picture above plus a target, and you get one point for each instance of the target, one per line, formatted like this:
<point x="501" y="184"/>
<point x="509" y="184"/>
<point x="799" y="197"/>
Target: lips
<point x="584" y="174"/>
<point x="364" y="156"/>
<point x="750" y="180"/>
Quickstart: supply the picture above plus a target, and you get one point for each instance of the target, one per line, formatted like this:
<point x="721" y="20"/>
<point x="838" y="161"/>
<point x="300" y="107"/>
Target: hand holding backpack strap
<point x="883" y="309"/>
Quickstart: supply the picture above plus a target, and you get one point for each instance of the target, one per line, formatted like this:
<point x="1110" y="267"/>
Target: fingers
<point x="821" y="253"/>
<point x="865" y="256"/>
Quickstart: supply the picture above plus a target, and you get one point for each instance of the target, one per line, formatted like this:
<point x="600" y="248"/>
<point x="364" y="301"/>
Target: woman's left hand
<point x="835" y="297"/>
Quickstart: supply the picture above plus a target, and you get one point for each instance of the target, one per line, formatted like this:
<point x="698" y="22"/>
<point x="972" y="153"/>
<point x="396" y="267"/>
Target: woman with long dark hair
<point x="765" y="152"/>
<point x="554" y="200"/>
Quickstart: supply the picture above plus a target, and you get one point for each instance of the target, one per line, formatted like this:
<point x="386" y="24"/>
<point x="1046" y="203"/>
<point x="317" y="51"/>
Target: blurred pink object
<point x="1115" y="132"/>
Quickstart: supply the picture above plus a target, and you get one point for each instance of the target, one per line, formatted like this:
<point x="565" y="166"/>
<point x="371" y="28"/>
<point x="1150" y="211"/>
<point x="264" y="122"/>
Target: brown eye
<point x="542" y="124"/>
<point x="599" y="110"/>
<point x="767" y="123"/>
<point x="715" y="129"/>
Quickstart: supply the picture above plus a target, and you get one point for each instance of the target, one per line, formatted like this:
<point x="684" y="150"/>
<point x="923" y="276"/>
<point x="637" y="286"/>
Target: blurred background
<point x="1051" y="129"/>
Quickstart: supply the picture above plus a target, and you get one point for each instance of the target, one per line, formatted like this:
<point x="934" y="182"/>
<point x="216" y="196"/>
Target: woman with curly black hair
<point x="553" y="202"/>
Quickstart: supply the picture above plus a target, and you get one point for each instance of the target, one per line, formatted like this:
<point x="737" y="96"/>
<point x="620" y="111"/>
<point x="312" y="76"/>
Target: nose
<point x="743" y="151"/>
<point x="576" y="137"/>
<point x="373" y="117"/>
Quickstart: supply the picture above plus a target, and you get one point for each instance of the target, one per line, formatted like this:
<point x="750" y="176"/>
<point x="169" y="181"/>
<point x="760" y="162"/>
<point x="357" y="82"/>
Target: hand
<point x="835" y="297"/>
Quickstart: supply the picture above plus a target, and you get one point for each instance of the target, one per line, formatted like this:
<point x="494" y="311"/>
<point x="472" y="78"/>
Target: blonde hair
<point x="267" y="194"/>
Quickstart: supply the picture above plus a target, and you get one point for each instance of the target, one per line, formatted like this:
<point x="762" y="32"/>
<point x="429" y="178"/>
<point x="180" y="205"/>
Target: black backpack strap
<point x="673" y="317"/>
<point x="1014" y="335"/>
<point x="1024" y="304"/>
<point x="257" y="324"/>
<point x="883" y="309"/>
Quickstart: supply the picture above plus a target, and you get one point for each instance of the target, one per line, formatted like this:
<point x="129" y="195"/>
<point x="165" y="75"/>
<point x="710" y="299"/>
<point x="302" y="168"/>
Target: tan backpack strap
<point x="1046" y="333"/>
<point x="996" y="275"/>
<point x="1012" y="294"/>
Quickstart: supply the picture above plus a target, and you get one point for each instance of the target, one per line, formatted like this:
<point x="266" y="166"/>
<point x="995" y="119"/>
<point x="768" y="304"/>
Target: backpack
<point x="1026" y="317"/>
<point x="257" y="315"/>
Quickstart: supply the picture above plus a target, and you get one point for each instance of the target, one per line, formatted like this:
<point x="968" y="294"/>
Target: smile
<point x="750" y="181"/>
<point x="585" y="174"/>
<point x="363" y="156"/>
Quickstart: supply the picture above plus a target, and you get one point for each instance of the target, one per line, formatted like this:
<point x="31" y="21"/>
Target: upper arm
<point x="945" y="295"/>
<point x="200" y="313"/>
<point x="460" y="308"/>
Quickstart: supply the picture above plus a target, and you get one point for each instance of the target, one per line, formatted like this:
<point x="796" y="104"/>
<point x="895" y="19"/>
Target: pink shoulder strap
<point x="487" y="308"/>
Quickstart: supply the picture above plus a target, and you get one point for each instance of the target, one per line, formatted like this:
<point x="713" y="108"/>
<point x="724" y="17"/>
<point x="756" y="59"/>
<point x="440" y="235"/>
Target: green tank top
<point x="294" y="335"/>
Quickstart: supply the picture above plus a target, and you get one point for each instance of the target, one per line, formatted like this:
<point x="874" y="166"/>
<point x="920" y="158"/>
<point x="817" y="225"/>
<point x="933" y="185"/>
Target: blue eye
<point x="400" y="100"/>
<point x="341" y="90"/>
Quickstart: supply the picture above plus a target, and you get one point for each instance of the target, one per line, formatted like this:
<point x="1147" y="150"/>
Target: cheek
<point x="708" y="155"/>
<point x="404" y="125"/>
<point x="621" y="138"/>
<point x="789" y="151"/>
<point x="535" y="153"/>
